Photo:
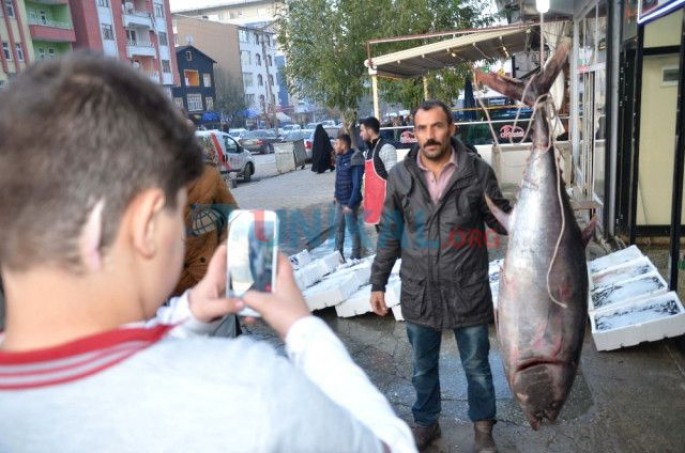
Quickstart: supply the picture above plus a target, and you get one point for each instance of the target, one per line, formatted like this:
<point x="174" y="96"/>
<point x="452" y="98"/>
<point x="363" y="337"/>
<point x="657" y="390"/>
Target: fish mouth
<point x="537" y="361"/>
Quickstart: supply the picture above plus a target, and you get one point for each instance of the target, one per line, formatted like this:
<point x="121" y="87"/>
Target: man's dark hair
<point x="430" y="105"/>
<point x="74" y="131"/>
<point x="346" y="138"/>
<point x="372" y="123"/>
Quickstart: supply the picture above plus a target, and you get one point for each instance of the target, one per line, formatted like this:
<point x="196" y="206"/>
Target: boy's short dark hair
<point x="74" y="131"/>
<point x="430" y="105"/>
<point x="345" y="138"/>
<point x="372" y="123"/>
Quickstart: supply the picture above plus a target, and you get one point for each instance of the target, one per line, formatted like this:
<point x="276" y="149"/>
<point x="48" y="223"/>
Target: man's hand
<point x="346" y="210"/>
<point x="285" y="306"/>
<point x="378" y="303"/>
<point x="207" y="299"/>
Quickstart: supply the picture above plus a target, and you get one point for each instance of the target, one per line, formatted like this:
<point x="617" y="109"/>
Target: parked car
<point x="233" y="158"/>
<point x="237" y="133"/>
<point x="298" y="134"/>
<point x="290" y="127"/>
<point x="259" y="141"/>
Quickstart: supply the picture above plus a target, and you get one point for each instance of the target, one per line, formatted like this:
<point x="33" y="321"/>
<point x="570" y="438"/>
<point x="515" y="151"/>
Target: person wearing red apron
<point x="381" y="156"/>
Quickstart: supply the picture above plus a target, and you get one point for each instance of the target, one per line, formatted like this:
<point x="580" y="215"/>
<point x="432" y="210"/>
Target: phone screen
<point x="252" y="248"/>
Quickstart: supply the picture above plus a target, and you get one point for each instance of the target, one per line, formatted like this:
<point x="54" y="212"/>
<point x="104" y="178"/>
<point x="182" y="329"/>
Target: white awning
<point x="485" y="44"/>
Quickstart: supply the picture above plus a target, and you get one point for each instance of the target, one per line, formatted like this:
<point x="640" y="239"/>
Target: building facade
<point x="196" y="93"/>
<point x="137" y="31"/>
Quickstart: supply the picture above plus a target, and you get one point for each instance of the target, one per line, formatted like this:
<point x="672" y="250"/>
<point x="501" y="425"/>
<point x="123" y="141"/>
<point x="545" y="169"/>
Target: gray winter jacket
<point x="443" y="246"/>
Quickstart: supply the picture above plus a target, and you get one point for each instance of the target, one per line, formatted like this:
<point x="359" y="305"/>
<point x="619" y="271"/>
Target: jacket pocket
<point x="413" y="298"/>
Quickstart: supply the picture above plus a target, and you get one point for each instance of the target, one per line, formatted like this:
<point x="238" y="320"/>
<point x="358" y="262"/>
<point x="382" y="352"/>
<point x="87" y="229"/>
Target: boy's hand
<point x="285" y="306"/>
<point x="207" y="299"/>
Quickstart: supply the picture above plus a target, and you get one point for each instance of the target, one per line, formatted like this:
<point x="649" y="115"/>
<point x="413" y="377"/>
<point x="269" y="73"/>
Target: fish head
<point x="541" y="390"/>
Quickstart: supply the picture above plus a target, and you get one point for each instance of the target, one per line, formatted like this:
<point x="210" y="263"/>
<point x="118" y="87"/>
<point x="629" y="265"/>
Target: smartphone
<point x="252" y="253"/>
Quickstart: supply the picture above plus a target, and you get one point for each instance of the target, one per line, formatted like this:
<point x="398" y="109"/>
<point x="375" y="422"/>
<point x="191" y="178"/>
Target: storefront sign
<point x="509" y="132"/>
<point x="649" y="10"/>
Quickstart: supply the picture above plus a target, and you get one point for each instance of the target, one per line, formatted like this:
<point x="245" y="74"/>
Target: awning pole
<point x="374" y="87"/>
<point x="425" y="88"/>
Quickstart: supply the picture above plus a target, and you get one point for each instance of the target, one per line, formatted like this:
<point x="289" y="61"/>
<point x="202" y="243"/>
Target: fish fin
<point x="589" y="231"/>
<point x="504" y="218"/>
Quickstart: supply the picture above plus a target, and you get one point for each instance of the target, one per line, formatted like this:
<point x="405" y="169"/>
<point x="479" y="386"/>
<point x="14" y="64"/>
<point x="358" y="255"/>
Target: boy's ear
<point x="144" y="220"/>
<point x="91" y="238"/>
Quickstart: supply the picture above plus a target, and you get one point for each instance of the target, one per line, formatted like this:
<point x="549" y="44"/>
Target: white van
<point x="233" y="158"/>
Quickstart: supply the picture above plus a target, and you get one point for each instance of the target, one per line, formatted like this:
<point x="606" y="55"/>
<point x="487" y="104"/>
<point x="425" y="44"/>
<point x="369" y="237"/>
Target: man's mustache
<point x="431" y="142"/>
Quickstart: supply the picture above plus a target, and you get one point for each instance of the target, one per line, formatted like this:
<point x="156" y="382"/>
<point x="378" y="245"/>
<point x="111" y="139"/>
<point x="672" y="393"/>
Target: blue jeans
<point x="474" y="347"/>
<point x="351" y="220"/>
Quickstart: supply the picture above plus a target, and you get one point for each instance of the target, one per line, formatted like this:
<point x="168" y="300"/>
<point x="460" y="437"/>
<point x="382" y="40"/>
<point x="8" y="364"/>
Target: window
<point x="207" y="80"/>
<point x="104" y="3"/>
<point x="256" y="38"/>
<point x="51" y="52"/>
<point x="249" y="99"/>
<point x="262" y="102"/>
<point x="163" y="40"/>
<point x="269" y="60"/>
<point x="189" y="55"/>
<point x="209" y="102"/>
<point x="194" y="102"/>
<point x="245" y="58"/>
<point x="179" y="102"/>
<point x="107" y="32"/>
<point x="159" y="10"/>
<point x="132" y="37"/>
<point x="242" y="35"/>
<point x="10" y="8"/>
<point x="20" y="52"/>
<point x="6" y="51"/>
<point x="271" y="79"/>
<point x="41" y="53"/>
<point x="192" y="78"/>
<point x="43" y="17"/>
<point x="166" y="66"/>
<point x="247" y="79"/>
<point x="260" y="80"/>
<point x="259" y="59"/>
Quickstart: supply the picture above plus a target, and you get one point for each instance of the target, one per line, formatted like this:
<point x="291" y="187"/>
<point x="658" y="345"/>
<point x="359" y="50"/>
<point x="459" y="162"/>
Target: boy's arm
<point x="357" y="174"/>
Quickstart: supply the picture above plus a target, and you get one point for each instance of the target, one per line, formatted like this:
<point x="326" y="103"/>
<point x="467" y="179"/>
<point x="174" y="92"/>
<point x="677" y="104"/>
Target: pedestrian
<point x="381" y="156"/>
<point x="87" y="258"/>
<point x="206" y="211"/>
<point x="322" y="151"/>
<point x="434" y="216"/>
<point x="349" y="171"/>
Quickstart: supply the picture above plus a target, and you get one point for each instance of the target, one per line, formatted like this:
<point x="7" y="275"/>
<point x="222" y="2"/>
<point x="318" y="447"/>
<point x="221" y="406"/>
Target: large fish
<point x="543" y="289"/>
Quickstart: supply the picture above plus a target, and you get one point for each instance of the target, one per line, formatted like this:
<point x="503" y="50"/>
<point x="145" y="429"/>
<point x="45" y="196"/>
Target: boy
<point x="94" y="163"/>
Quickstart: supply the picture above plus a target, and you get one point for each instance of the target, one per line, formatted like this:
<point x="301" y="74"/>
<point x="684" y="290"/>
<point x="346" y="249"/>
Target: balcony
<point x="140" y="49"/>
<point x="137" y="18"/>
<point x="51" y="31"/>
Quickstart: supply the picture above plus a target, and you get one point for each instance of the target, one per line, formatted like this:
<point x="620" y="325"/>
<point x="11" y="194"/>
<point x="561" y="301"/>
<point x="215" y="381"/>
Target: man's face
<point x="365" y="133"/>
<point x="433" y="133"/>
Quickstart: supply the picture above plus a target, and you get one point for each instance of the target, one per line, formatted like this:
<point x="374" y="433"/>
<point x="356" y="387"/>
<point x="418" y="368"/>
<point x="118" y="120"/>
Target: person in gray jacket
<point x="435" y="215"/>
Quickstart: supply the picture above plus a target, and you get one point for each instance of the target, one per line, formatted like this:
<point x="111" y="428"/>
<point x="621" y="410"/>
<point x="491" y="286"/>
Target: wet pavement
<point x="630" y="400"/>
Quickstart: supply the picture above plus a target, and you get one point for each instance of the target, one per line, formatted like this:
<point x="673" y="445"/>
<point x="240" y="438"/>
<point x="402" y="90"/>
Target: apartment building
<point x="138" y="31"/>
<point x="257" y="59"/>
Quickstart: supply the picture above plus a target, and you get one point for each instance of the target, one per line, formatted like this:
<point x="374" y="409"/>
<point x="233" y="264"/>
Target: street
<point x="630" y="400"/>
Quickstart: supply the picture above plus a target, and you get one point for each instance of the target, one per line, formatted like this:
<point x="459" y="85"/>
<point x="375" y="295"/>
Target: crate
<point x="639" y="320"/>
<point x="619" y="292"/>
<point x="330" y="292"/>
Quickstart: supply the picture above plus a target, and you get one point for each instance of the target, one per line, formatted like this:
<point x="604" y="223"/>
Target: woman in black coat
<point x="321" y="151"/>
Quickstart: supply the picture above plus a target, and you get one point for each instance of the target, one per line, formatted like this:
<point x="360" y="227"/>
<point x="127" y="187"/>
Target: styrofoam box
<point x="329" y="262"/>
<point x="397" y="313"/>
<point x="393" y="291"/>
<point x="357" y="304"/>
<point x="614" y="259"/>
<point x="646" y="319"/>
<point x="625" y="271"/>
<point x="300" y="259"/>
<point x="615" y="294"/>
<point x="308" y="275"/>
<point x="361" y="271"/>
<point x="330" y="292"/>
